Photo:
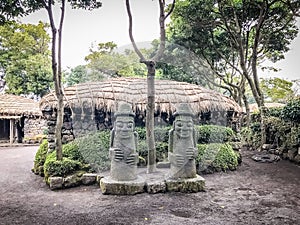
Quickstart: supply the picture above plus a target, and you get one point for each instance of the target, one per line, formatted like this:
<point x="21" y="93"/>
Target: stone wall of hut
<point x="67" y="130"/>
<point x="33" y="127"/>
<point x="81" y="121"/>
<point x="76" y="123"/>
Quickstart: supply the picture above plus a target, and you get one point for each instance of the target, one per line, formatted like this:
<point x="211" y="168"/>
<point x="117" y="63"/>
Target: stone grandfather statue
<point x="182" y="144"/>
<point x="123" y="143"/>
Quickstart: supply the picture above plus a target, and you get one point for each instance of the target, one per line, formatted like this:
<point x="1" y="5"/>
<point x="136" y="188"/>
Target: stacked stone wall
<point x="79" y="122"/>
<point x="33" y="127"/>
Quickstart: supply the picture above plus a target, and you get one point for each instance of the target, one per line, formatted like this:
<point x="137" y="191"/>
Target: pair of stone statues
<point x="182" y="149"/>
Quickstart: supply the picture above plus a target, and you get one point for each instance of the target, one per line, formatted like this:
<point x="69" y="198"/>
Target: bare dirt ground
<point x="256" y="193"/>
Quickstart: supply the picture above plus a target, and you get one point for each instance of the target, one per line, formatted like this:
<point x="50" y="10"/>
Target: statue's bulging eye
<point x="179" y="124"/>
<point x="130" y="125"/>
<point x="119" y="124"/>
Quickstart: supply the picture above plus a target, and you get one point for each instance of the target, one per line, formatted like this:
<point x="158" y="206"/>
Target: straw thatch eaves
<point x="12" y="106"/>
<point x="107" y="94"/>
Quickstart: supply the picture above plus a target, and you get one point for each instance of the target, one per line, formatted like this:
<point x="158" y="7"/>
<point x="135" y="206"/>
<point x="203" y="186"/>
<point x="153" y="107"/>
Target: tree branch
<point x="171" y="10"/>
<point x="138" y="52"/>
<point x="162" y="43"/>
<point x="60" y="43"/>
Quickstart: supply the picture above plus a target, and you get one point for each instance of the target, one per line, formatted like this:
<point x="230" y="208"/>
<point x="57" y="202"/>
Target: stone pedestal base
<point x="163" y="165"/>
<point x="110" y="186"/>
<point x="186" y="185"/>
<point x="151" y="183"/>
<point x="153" y="187"/>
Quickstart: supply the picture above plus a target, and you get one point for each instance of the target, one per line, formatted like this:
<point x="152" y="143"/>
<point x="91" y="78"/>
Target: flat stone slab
<point x="88" y="178"/>
<point x="190" y="185"/>
<point x="265" y="158"/>
<point x="110" y="186"/>
<point x="164" y="165"/>
<point x="55" y="182"/>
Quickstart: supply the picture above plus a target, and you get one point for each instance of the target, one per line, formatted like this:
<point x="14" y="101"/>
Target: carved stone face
<point x="124" y="127"/>
<point x="183" y="126"/>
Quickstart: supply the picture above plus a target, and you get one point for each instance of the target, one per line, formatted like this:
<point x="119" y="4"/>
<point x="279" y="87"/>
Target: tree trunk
<point x="151" y="167"/>
<point x="263" y="126"/>
<point x="246" y="103"/>
<point x="56" y="70"/>
<point x="59" y="123"/>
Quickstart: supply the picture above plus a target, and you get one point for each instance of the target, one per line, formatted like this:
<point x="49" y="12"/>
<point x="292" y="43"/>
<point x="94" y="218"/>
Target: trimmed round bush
<point x="71" y="151"/>
<point x="40" y="158"/>
<point x="216" y="157"/>
<point x="72" y="161"/>
<point x="62" y="168"/>
<point x="214" y="134"/>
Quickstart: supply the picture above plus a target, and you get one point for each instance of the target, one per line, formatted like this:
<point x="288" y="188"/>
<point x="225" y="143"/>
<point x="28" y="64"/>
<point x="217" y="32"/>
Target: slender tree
<point x="23" y="7"/>
<point x="236" y="36"/>
<point x="56" y="58"/>
<point x="151" y="66"/>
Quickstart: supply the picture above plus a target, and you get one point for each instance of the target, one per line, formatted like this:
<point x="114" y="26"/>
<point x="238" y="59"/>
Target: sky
<point x="83" y="28"/>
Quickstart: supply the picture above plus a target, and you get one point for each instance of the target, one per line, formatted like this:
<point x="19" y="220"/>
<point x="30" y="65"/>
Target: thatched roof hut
<point x="107" y="94"/>
<point x="13" y="106"/>
<point x="19" y="118"/>
<point x="90" y="106"/>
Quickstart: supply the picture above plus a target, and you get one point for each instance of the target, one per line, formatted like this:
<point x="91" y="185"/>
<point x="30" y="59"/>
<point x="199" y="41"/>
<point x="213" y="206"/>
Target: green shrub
<point x="255" y="127"/>
<point x="141" y="131"/>
<point x="279" y="133"/>
<point x="161" y="151"/>
<point x="216" y="157"/>
<point x="40" y="158"/>
<point x="291" y="111"/>
<point x="214" y="134"/>
<point x="142" y="150"/>
<point x="292" y="138"/>
<point x="53" y="167"/>
<point x="71" y="151"/>
<point x="161" y="134"/>
<point x="94" y="149"/>
<point x="275" y="112"/>
<point x="246" y="135"/>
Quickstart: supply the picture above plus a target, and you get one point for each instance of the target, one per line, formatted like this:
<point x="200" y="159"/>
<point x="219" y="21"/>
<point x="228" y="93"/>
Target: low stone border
<point x="72" y="181"/>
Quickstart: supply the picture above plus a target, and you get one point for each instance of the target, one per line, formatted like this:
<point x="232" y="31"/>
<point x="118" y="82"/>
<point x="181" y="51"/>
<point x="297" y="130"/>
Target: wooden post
<point x="11" y="132"/>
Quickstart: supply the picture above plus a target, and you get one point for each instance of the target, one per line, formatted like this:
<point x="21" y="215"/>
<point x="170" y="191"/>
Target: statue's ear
<point x="174" y="123"/>
<point x="112" y="136"/>
<point x="195" y="136"/>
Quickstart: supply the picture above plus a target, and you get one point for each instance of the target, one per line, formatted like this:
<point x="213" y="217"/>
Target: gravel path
<point x="254" y="194"/>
